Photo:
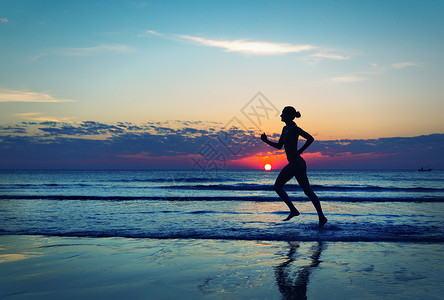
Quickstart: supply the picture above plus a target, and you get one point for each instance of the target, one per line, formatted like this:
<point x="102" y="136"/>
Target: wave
<point x="172" y="179"/>
<point x="301" y="232"/>
<point x="333" y="188"/>
<point x="218" y="198"/>
<point x="40" y="185"/>
<point x="174" y="185"/>
<point x="106" y="182"/>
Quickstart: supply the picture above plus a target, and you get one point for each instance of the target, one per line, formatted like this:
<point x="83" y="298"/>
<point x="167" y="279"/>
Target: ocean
<point x="361" y="205"/>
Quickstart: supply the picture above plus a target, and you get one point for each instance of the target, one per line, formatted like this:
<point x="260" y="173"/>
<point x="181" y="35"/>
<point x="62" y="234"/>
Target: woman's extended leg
<point x="301" y="177"/>
<point x="284" y="176"/>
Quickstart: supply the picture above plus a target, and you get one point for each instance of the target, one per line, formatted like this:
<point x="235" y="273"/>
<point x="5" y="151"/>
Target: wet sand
<point x="41" y="267"/>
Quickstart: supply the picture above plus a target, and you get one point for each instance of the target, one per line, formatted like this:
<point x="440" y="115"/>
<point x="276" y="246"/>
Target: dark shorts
<point x="296" y="168"/>
<point x="297" y="163"/>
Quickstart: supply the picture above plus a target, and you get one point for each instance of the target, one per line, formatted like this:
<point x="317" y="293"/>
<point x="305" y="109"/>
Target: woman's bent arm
<point x="277" y="145"/>
<point x="309" y="139"/>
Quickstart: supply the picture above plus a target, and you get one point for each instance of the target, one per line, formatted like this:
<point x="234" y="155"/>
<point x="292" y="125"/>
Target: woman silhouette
<point x="296" y="164"/>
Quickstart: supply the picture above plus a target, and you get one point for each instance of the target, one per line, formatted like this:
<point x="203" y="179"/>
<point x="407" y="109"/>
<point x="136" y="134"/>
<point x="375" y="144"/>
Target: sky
<point x="154" y="84"/>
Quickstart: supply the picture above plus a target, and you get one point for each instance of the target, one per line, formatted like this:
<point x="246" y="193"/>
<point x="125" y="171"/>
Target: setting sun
<point x="267" y="167"/>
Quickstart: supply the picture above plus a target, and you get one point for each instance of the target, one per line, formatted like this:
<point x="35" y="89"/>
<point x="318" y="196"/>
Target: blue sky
<point x="355" y="69"/>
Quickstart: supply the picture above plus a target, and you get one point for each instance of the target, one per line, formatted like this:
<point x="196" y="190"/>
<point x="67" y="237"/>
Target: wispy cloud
<point x="375" y="70"/>
<point x="149" y="32"/>
<point x="4" y="20"/>
<point x="48" y="119"/>
<point x="7" y="95"/>
<point x="247" y="47"/>
<point x="351" y="78"/>
<point x="403" y="65"/>
<point x="89" y="51"/>
<point x="37" y="116"/>
<point x="329" y="56"/>
<point x="31" y="114"/>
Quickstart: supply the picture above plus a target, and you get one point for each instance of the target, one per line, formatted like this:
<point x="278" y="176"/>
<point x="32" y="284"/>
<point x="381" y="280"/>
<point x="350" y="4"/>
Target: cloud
<point x="4" y="20"/>
<point x="256" y="47"/>
<point x="375" y="70"/>
<point x="122" y="144"/>
<point x="90" y="51"/>
<point x="13" y="129"/>
<point x="86" y="128"/>
<point x="383" y="153"/>
<point x="35" y="116"/>
<point x="8" y="95"/>
<point x="87" y="51"/>
<point x="345" y="79"/>
<point x="150" y="32"/>
<point x="28" y="114"/>
<point x="49" y="119"/>
<point x="247" y="47"/>
<point x="329" y="56"/>
<point x="403" y="65"/>
<point x="383" y="146"/>
<point x="385" y="68"/>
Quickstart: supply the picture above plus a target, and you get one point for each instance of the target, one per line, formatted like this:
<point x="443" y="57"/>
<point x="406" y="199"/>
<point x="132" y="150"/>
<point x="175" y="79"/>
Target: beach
<point x="185" y="235"/>
<point x="42" y="267"/>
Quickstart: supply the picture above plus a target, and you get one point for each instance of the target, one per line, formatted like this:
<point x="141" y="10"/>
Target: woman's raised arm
<point x="277" y="145"/>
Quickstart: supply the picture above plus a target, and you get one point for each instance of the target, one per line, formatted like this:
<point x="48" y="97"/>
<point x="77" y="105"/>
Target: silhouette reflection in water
<point x="293" y="283"/>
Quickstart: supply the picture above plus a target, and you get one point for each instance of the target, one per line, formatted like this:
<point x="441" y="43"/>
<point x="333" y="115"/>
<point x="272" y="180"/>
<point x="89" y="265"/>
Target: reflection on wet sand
<point x="293" y="284"/>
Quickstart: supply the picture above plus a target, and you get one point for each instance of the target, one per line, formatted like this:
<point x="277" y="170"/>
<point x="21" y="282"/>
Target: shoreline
<point x="42" y="267"/>
<point x="242" y="239"/>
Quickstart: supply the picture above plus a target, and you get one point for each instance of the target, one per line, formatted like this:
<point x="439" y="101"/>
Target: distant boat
<point x="426" y="169"/>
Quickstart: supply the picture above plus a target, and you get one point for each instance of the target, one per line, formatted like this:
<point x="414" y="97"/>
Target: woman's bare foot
<point x="291" y="215"/>
<point x="322" y="222"/>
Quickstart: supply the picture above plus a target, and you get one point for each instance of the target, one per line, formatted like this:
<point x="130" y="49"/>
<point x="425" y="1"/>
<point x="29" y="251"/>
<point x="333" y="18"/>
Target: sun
<point x="267" y="167"/>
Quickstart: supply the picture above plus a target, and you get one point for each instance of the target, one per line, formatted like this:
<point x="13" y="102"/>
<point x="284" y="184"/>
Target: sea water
<point x="361" y="205"/>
